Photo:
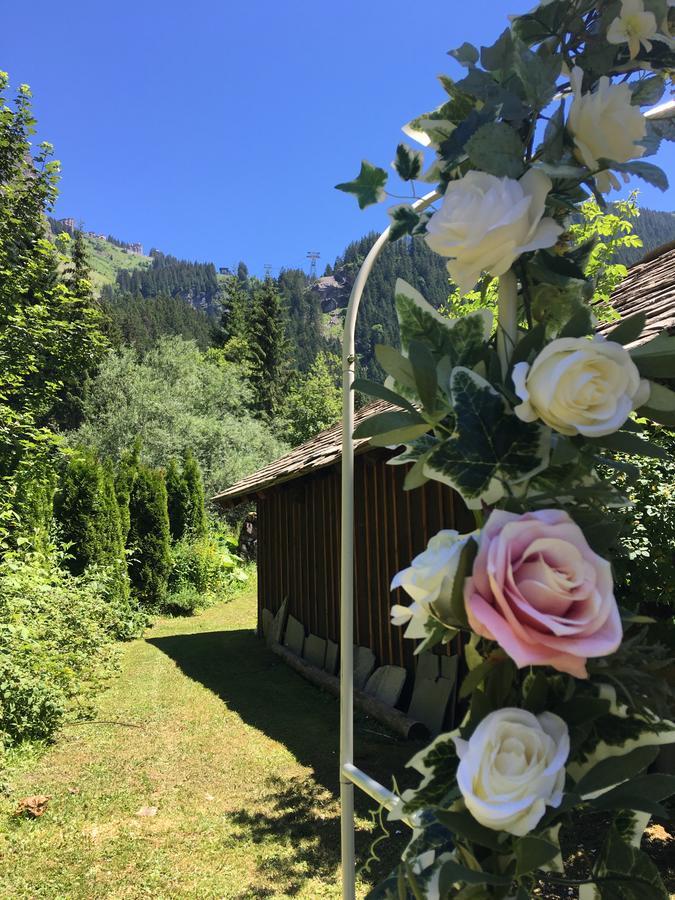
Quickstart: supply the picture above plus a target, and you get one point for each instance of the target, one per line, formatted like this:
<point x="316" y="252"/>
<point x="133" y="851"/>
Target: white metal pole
<point x="347" y="564"/>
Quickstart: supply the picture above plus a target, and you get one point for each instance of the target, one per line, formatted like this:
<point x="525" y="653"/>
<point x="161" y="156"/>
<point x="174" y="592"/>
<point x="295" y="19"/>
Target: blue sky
<point x="217" y="130"/>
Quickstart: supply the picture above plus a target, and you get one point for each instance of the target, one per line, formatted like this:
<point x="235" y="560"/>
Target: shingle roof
<point x="320" y="451"/>
<point x="649" y="287"/>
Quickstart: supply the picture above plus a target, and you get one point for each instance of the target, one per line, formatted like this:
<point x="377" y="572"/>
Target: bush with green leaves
<point x="57" y="634"/>
<point x="88" y="514"/>
<point x="149" y="540"/>
<point x="177" y="398"/>
<point x="204" y="570"/>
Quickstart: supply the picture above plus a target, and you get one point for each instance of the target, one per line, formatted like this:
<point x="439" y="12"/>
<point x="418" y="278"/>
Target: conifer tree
<point x="149" y="537"/>
<point x="178" y="500"/>
<point x="86" y="509"/>
<point x="195" y="519"/>
<point x="124" y="480"/>
<point x="268" y="349"/>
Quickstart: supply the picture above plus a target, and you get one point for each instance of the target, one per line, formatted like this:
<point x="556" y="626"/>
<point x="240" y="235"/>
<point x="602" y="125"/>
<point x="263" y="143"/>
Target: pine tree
<point x="233" y="320"/>
<point x="178" y="500"/>
<point x="195" y="519"/>
<point x="149" y="537"/>
<point x="268" y="349"/>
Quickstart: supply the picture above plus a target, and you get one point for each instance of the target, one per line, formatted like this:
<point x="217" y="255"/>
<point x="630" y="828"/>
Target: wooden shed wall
<point x="299" y="548"/>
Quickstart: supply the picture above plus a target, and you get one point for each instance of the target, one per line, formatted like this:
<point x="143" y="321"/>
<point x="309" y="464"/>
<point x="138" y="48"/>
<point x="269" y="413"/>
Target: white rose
<point x="512" y="767"/>
<point x="605" y="125"/>
<point x="428" y="580"/>
<point x="583" y="386"/>
<point x="485" y="223"/>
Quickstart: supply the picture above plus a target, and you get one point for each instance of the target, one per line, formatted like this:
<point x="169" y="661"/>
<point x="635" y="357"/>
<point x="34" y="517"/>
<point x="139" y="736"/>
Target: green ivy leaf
<point x="489" y="446"/>
<point x="554" y="136"/>
<point x="497" y="149"/>
<point x="391" y="428"/>
<point x="368" y="186"/>
<point x="461" y="340"/>
<point x="408" y="162"/>
<point x="404" y="220"/>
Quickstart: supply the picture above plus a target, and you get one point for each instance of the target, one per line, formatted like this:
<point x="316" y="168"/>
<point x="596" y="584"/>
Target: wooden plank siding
<point x="299" y="548"/>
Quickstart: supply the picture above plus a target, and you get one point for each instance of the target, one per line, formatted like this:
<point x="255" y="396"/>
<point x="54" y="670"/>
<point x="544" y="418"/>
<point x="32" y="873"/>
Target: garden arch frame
<point x="350" y="775"/>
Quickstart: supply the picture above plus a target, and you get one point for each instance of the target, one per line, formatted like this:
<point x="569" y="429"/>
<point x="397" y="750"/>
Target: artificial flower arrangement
<point x="565" y="707"/>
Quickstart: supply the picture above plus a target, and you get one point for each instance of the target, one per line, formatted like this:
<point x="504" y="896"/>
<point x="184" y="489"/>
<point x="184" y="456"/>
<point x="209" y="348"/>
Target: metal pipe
<point x="380" y="794"/>
<point x="347" y="562"/>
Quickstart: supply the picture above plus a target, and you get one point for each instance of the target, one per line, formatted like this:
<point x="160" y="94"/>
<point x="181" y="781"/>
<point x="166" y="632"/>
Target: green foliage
<point x="195" y="516"/>
<point x="175" y="398"/>
<point x="645" y="565"/>
<point x="56" y="642"/>
<point x="204" y="570"/>
<point x="139" y="321"/>
<point x="50" y="337"/>
<point x="314" y="400"/>
<point x="177" y="499"/>
<point x="196" y="283"/>
<point x="86" y="508"/>
<point x="368" y="186"/>
<point x="268" y="370"/>
<point x="149" y="540"/>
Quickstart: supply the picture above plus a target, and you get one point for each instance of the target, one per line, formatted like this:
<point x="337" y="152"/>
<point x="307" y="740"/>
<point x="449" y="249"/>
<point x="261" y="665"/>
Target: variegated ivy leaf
<point x="368" y="186"/>
<point x="404" y="219"/>
<point x="490" y="448"/>
<point x="461" y="340"/>
<point x="408" y="162"/>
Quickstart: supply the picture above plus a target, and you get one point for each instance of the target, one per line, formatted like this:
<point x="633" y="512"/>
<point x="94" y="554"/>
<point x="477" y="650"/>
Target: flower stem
<point x="507" y="318"/>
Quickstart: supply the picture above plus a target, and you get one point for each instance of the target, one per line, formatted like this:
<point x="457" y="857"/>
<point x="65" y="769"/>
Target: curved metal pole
<point x="347" y="562"/>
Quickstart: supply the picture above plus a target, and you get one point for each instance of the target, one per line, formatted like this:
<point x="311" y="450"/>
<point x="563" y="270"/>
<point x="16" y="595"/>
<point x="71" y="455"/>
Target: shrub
<point x="149" y="537"/>
<point x="177" y="500"/>
<point x="57" y="633"/>
<point x="204" y="569"/>
<point x="195" y="518"/>
<point x="85" y="506"/>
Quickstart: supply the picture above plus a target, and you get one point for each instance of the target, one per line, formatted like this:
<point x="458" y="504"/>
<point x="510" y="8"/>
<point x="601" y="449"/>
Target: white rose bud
<point x="485" y="223"/>
<point x="512" y="767"/>
<point x="605" y="125"/>
<point x="583" y="386"/>
<point x="429" y="579"/>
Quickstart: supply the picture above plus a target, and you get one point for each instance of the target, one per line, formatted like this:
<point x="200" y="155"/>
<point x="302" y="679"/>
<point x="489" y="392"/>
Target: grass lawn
<point x="237" y="753"/>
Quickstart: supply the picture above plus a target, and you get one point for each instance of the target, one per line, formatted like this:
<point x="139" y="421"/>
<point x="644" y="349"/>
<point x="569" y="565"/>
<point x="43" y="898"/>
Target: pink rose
<point x="541" y="593"/>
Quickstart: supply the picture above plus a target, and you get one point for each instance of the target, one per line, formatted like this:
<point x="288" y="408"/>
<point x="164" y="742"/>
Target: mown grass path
<point x="237" y="753"/>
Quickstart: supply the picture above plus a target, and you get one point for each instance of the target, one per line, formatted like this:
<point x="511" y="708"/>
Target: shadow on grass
<point x="301" y="813"/>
